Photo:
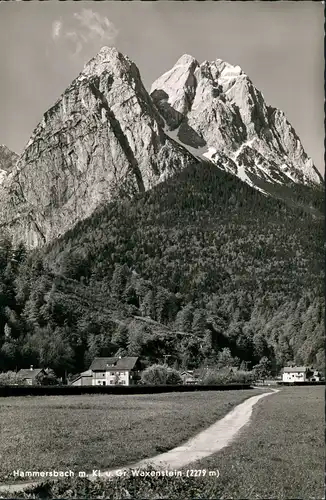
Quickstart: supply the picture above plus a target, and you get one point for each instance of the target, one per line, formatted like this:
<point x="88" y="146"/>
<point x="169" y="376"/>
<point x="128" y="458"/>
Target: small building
<point x="84" y="378"/>
<point x="31" y="376"/>
<point x="115" y="371"/>
<point x="315" y="377"/>
<point x="188" y="377"/>
<point x="296" y="374"/>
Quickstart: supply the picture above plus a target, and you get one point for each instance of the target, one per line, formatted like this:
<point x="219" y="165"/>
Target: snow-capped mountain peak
<point x="217" y="104"/>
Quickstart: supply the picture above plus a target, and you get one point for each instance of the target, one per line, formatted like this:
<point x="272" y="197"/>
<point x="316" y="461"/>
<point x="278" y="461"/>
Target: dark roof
<point x="295" y="369"/>
<point x="103" y="364"/>
<point x="28" y="373"/>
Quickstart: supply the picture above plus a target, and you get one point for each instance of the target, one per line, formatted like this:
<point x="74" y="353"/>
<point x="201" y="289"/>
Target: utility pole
<point x="246" y="364"/>
<point x="166" y="356"/>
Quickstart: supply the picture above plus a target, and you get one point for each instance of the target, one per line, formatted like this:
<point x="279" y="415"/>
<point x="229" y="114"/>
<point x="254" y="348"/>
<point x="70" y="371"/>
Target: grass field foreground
<point x="280" y="454"/>
<point x="83" y="433"/>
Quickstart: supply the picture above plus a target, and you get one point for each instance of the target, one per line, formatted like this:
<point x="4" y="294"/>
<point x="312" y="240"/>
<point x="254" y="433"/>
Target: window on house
<point x="112" y="374"/>
<point x="123" y="382"/>
<point x="111" y="382"/>
<point x="104" y="383"/>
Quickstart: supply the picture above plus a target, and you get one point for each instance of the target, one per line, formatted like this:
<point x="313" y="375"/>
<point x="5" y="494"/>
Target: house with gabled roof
<point x="189" y="377"/>
<point x="296" y="374"/>
<point x="31" y="376"/>
<point x="115" y="370"/>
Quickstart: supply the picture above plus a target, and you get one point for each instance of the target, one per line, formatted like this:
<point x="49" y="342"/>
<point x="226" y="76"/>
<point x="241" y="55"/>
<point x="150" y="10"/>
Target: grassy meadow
<point x="87" y="432"/>
<point x="279" y="455"/>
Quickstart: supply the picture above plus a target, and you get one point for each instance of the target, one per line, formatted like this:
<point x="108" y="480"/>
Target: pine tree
<point x="225" y="358"/>
<point x="198" y="326"/>
<point x="147" y="306"/>
<point x="184" y="319"/>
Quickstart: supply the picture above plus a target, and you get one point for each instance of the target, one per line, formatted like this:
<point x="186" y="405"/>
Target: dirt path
<point x="211" y="440"/>
<point x="207" y="442"/>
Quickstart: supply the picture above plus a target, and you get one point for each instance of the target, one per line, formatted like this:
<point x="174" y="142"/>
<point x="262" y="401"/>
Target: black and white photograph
<point x="162" y="250"/>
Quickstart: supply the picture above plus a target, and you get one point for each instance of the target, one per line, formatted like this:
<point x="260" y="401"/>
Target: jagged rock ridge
<point x="101" y="140"/>
<point x="233" y="125"/>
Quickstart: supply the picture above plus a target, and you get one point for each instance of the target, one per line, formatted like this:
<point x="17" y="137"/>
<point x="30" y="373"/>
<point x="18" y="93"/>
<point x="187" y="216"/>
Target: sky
<point x="44" y="46"/>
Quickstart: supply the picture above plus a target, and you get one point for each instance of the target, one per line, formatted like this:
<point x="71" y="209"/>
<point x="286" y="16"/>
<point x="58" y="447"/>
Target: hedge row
<point x="321" y="382"/>
<point x="6" y="391"/>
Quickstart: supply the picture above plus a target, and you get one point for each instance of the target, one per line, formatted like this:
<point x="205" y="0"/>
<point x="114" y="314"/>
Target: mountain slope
<point x="213" y="262"/>
<point x="201" y="199"/>
<point x="103" y="139"/>
<point x="215" y="108"/>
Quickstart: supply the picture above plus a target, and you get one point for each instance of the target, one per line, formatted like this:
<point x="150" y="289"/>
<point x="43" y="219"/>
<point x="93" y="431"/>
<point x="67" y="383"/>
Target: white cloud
<point x="56" y="29"/>
<point x="96" y="26"/>
<point x="87" y="28"/>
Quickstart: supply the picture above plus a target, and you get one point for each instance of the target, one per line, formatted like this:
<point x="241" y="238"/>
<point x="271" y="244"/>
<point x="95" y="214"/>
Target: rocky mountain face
<point x="8" y="160"/>
<point x="106" y="138"/>
<point x="214" y="109"/>
<point x="103" y="139"/>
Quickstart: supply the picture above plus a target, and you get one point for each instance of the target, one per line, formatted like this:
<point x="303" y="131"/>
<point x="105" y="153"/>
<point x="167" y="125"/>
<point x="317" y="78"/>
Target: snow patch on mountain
<point x="210" y="153"/>
<point x="173" y="134"/>
<point x="285" y="169"/>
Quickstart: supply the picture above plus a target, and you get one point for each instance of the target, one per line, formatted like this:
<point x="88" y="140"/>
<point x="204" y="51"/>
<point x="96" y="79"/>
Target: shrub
<point x="244" y="377"/>
<point x="214" y="376"/>
<point x="48" y="378"/>
<point x="10" y="378"/>
<point x="161" y="375"/>
<point x="174" y="377"/>
<point x="155" y="375"/>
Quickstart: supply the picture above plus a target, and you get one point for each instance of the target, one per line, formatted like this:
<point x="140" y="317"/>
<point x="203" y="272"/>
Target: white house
<point x="115" y="371"/>
<point x="296" y="374"/>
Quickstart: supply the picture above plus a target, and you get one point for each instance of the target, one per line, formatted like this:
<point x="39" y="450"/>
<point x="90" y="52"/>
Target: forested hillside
<point x="202" y="268"/>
